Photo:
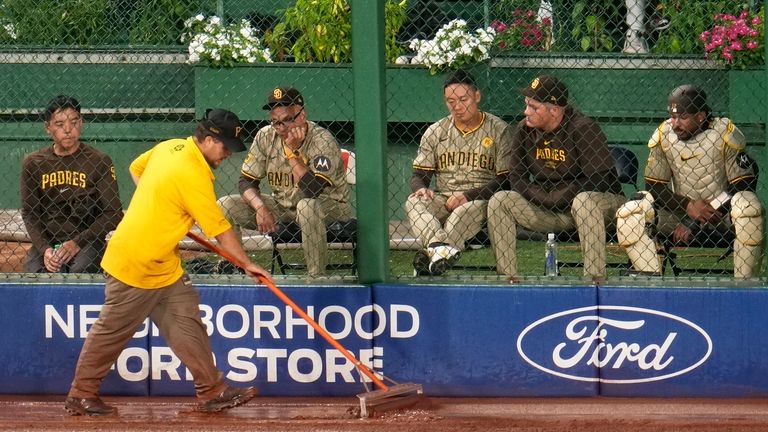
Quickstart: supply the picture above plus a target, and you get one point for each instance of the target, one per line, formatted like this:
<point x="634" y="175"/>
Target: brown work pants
<point x="176" y="312"/>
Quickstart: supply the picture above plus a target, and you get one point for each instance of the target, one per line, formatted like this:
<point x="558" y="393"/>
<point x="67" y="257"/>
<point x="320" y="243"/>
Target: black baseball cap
<point x="225" y="126"/>
<point x="283" y="96"/>
<point x="688" y="99"/>
<point x="547" y="89"/>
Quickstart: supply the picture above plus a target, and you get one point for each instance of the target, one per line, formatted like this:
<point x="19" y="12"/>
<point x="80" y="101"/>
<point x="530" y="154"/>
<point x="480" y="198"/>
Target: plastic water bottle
<point x="56" y="248"/>
<point x="550" y="256"/>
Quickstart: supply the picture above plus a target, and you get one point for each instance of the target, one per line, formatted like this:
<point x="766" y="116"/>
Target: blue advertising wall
<point x="455" y="340"/>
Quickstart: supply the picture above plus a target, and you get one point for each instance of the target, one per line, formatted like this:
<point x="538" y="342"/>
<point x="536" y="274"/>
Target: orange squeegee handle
<point x="287" y="300"/>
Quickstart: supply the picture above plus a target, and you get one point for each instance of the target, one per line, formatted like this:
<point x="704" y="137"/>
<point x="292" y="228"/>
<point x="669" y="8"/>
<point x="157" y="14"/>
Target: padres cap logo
<point x="535" y="84"/>
<point x="277" y="93"/>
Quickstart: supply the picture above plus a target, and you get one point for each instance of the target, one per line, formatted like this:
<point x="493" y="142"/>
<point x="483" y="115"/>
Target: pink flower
<point x="752" y="44"/>
<point x="498" y="26"/>
<point x="736" y="46"/>
<point x="547" y="21"/>
<point x="756" y="20"/>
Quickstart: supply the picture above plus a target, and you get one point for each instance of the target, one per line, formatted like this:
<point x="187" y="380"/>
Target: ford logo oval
<point x="614" y="344"/>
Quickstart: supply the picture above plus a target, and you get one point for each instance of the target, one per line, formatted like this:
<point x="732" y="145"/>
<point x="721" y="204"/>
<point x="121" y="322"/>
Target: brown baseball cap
<point x="283" y="96"/>
<point x="224" y="125"/>
<point x="547" y="89"/>
<point x="688" y="99"/>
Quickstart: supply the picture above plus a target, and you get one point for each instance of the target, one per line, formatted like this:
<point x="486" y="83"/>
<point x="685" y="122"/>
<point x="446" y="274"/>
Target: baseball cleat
<point x="442" y="257"/>
<point x="421" y="263"/>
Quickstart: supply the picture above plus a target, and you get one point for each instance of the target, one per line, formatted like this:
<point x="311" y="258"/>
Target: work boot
<point x="229" y="398"/>
<point x="634" y="43"/>
<point x="442" y="257"/>
<point x="87" y="406"/>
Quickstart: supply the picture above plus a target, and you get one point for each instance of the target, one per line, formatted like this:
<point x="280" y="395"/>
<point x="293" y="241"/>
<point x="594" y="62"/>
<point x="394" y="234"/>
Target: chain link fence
<point x="146" y="71"/>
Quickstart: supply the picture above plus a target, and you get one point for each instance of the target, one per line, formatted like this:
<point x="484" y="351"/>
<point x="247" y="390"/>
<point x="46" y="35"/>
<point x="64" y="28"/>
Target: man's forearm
<point x="228" y="242"/>
<point x="253" y="198"/>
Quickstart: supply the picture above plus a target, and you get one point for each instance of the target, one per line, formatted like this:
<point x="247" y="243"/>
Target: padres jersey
<point x="551" y="168"/>
<point x="703" y="166"/>
<point x="266" y="160"/>
<point x="69" y="197"/>
<point x="465" y="160"/>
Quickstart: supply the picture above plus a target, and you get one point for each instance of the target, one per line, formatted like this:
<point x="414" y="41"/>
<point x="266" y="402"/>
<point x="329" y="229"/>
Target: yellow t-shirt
<point x="175" y="189"/>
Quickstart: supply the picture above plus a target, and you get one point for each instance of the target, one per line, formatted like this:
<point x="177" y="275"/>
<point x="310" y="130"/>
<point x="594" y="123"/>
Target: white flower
<point x="10" y="30"/>
<point x="217" y="44"/>
<point x="453" y="47"/>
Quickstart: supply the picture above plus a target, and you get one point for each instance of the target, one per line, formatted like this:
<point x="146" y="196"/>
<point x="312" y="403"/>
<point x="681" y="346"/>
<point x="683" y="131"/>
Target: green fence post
<point x="764" y="161"/>
<point x="370" y="139"/>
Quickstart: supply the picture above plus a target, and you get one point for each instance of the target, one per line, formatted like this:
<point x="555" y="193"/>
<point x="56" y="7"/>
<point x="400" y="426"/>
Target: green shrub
<point x="321" y="31"/>
<point x="62" y="22"/>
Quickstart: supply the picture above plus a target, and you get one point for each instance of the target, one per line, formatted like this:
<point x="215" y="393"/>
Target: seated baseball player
<point x="467" y="153"/>
<point x="698" y="176"/>
<point x="302" y="165"/>
<point x="561" y="176"/>
<point x="69" y="196"/>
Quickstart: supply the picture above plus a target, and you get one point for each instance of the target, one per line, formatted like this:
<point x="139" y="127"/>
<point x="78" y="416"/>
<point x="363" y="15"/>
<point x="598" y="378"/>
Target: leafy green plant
<point x="589" y="19"/>
<point x="61" y="22"/>
<point x="688" y="20"/>
<point x="96" y="22"/>
<point x="321" y="30"/>
<point x="7" y="29"/>
<point x="159" y="22"/>
<point x="394" y="19"/>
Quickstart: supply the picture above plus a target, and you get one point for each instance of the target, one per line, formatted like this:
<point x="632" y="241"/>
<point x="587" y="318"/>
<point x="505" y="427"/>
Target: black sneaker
<point x="421" y="263"/>
<point x="229" y="398"/>
<point x="87" y="407"/>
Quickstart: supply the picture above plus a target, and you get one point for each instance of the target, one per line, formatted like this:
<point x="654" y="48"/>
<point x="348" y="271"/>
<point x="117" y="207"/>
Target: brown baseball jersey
<point x="703" y="166"/>
<point x="465" y="160"/>
<point x="266" y="160"/>
<point x="69" y="197"/>
<point x="551" y="168"/>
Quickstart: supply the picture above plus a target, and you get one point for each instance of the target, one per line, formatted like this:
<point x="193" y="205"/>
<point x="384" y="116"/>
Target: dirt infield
<point x="26" y="413"/>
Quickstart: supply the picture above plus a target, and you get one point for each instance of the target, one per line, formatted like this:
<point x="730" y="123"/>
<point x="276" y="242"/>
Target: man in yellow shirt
<point x="144" y="275"/>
